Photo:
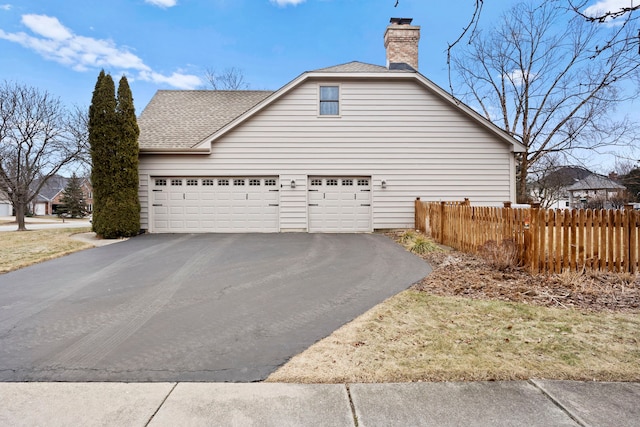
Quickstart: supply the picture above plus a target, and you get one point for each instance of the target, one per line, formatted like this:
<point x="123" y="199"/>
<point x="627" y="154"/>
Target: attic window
<point x="329" y="100"/>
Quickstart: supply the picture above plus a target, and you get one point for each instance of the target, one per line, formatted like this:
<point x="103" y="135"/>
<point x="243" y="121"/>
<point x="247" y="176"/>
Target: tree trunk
<point x="20" y="211"/>
<point x="523" y="195"/>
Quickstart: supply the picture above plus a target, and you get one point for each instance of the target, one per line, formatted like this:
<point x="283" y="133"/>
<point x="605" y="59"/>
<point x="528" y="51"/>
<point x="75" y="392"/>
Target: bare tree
<point x="37" y="140"/>
<point x="623" y="17"/>
<point x="230" y="79"/>
<point x="535" y="76"/>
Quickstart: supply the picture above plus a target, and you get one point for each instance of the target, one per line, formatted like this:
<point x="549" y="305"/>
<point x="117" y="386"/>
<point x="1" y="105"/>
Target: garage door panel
<point x="215" y="204"/>
<point x="339" y="204"/>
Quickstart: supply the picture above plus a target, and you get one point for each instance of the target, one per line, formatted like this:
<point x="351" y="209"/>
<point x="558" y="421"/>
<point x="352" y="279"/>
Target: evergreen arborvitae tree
<point x="102" y="137"/>
<point x="73" y="203"/>
<point x="128" y="213"/>
<point x="113" y="139"/>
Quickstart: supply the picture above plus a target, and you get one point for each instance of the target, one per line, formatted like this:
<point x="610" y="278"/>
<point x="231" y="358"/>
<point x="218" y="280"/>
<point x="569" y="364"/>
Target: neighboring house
<point x="594" y="187"/>
<point x="6" y="209"/>
<point x="50" y="195"/>
<point x="573" y="187"/>
<point x="340" y="149"/>
<point x="551" y="189"/>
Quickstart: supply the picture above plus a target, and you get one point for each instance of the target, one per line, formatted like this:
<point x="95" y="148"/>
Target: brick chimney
<point x="401" y="42"/>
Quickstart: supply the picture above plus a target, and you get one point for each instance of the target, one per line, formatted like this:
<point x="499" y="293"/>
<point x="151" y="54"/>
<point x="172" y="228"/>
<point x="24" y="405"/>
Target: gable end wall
<point x="396" y="131"/>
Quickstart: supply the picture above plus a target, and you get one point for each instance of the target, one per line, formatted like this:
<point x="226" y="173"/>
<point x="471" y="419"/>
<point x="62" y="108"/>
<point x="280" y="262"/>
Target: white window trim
<point x="330" y="116"/>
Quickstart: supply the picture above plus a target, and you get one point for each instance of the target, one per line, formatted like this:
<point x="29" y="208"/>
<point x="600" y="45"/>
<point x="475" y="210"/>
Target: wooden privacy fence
<point x="547" y="241"/>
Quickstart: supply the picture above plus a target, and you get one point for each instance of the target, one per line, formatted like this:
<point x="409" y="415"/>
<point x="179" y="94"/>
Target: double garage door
<point x="252" y="204"/>
<point x="233" y="204"/>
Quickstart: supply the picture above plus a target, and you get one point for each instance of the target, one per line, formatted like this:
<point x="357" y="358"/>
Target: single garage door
<point x="339" y="204"/>
<point x="215" y="204"/>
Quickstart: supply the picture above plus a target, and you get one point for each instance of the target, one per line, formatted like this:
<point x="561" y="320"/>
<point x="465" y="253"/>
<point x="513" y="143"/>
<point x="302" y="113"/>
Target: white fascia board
<point x="173" y="150"/>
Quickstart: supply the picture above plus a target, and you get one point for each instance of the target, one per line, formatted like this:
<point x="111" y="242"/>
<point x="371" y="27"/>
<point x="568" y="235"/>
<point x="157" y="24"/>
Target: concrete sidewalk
<point x="514" y="403"/>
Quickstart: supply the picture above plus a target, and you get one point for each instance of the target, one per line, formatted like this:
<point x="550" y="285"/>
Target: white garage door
<point x="228" y="204"/>
<point x="339" y="204"/>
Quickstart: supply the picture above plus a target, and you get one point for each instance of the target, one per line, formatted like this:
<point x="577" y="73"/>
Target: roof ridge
<point x="352" y="66"/>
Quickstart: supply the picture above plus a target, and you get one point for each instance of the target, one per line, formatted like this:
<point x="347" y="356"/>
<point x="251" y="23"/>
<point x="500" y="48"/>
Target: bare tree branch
<point x="472" y="26"/>
<point x="229" y="79"/>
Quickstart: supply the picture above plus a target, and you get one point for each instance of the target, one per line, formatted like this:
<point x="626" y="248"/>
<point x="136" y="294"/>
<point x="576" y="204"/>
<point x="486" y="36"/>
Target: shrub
<point x="407" y="237"/>
<point x="501" y="256"/>
<point x="422" y="245"/>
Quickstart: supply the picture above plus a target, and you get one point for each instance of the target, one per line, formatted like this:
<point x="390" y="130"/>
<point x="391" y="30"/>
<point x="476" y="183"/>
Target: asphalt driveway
<point x="209" y="307"/>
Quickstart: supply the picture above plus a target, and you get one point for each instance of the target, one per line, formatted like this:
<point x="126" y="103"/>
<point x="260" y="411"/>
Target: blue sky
<point x="61" y="45"/>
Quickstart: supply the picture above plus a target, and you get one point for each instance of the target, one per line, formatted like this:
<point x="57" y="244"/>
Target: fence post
<point x="442" y="222"/>
<point x="507" y="231"/>
<point x="629" y="245"/>
<point x="416" y="215"/>
<point x="530" y="230"/>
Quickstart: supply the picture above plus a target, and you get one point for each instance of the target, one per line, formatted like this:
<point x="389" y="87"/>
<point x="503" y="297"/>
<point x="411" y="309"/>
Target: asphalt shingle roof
<point x="354" y="67"/>
<point x="183" y="118"/>
<point x="595" y="182"/>
<point x="564" y="176"/>
<point x="53" y="186"/>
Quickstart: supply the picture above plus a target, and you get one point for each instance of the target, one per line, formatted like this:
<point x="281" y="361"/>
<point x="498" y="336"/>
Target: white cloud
<point x="177" y="80"/>
<point x="5" y="6"/>
<point x="46" y="26"/>
<point x="162" y="3"/>
<point x="518" y="76"/>
<point x="283" y="3"/>
<point x="604" y="6"/>
<point x="55" y="42"/>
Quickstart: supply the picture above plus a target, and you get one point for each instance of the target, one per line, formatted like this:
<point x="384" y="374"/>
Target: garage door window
<point x="270" y="182"/>
<point x="238" y="182"/>
<point x="363" y="182"/>
<point x="223" y="182"/>
<point x="347" y="182"/>
<point x="316" y="182"/>
<point x="207" y="182"/>
<point x="254" y="182"/>
<point x="332" y="182"/>
<point x="161" y="182"/>
<point x="192" y="182"/>
<point x="176" y="182"/>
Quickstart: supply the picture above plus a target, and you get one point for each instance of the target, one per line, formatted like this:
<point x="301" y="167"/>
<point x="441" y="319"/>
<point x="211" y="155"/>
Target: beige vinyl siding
<point x="293" y="203"/>
<point x="394" y="130"/>
<point x="143" y="196"/>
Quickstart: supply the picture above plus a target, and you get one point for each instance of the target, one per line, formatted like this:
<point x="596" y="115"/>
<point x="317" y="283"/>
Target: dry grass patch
<point x="480" y="317"/>
<point x="22" y="248"/>
<point x="415" y="336"/>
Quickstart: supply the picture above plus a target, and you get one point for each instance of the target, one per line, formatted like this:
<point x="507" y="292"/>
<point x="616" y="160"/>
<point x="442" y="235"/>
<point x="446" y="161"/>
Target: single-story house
<point x="341" y="149"/>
